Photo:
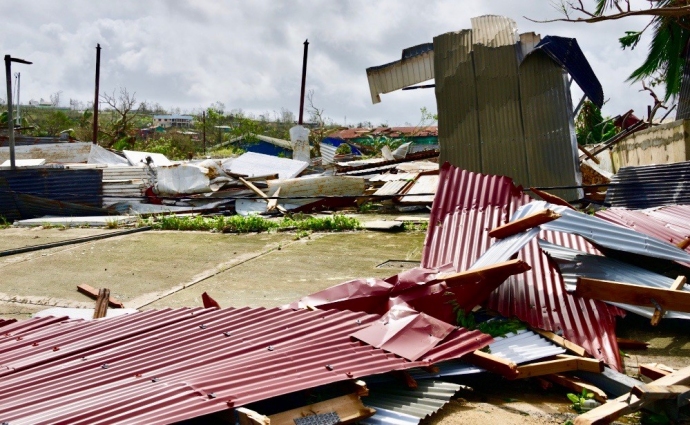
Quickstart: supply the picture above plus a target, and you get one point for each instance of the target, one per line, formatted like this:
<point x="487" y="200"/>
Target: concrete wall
<point x="663" y="144"/>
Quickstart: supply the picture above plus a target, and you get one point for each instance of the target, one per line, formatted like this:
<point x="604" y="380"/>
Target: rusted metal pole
<point x="304" y="81"/>
<point x="10" y="119"/>
<point x="203" y="120"/>
<point x="95" y="97"/>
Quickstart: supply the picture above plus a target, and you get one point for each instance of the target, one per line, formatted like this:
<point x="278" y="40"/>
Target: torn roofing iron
<point x="169" y="365"/>
<point x="604" y="233"/>
<point x="650" y="186"/>
<point x="416" y="66"/>
<point x="390" y="400"/>
<point x="467" y="206"/>
<point x="567" y="53"/>
<point x="574" y="264"/>
<point x="670" y="224"/>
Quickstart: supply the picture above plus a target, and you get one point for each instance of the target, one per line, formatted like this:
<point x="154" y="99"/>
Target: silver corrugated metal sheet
<point x="494" y="31"/>
<point x="419" y="191"/>
<point x="391" y="188"/>
<point x="604" y="233"/>
<point x="396" y="75"/>
<point x="504" y="249"/>
<point x="456" y="100"/>
<point x="573" y="264"/>
<point x="389" y="177"/>
<point x="528" y="41"/>
<point x="547" y="118"/>
<point x="650" y="186"/>
<point x="425" y="400"/>
<point x="52" y="152"/>
<point x="327" y="153"/>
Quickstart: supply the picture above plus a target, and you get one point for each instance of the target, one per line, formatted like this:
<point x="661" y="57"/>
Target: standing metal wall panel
<point x="550" y="139"/>
<point x="456" y="100"/>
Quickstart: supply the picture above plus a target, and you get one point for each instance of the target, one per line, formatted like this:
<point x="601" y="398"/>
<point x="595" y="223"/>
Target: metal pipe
<point x="19" y="118"/>
<point x="203" y="119"/>
<point x="304" y="81"/>
<point x="95" y="98"/>
<point x="10" y="117"/>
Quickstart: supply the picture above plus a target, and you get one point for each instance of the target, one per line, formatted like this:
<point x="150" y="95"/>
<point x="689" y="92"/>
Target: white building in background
<point x="167" y="121"/>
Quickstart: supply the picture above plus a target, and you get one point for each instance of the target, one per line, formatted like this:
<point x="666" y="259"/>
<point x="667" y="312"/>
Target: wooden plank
<point x="471" y="276"/>
<point x="562" y="363"/>
<point x="259" y="192"/>
<point x="273" y="202"/>
<point x="525" y="223"/>
<point x="92" y="292"/>
<point x="559" y="340"/>
<point x="588" y="154"/>
<point x="653" y="371"/>
<point x="577" y="385"/>
<point x="550" y="198"/>
<point x="651" y="392"/>
<point x="626" y="293"/>
<point x="492" y="363"/>
<point x="348" y="407"/>
<point x="631" y="344"/>
<point x="101" y="303"/>
<point x="250" y="417"/>
<point x="684" y="243"/>
<point x="628" y="403"/>
<point x="675" y="286"/>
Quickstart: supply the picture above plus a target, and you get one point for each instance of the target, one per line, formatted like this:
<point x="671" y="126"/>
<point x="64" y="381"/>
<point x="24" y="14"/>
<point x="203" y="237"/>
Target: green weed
<point x="335" y="223"/>
<point x="4" y="224"/>
<point x="415" y="227"/>
<point x="579" y="399"/>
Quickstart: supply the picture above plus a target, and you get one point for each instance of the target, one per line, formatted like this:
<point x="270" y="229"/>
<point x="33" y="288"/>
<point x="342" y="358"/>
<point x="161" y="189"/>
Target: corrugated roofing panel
<point x="653" y="222"/>
<point x="650" y="186"/>
<point x="419" y="191"/>
<point x="170" y="365"/>
<point x="547" y="117"/>
<point x="391" y="188"/>
<point x="51" y="152"/>
<point x="604" y="233"/>
<point x="466" y="207"/>
<point x="573" y="264"/>
<point x="494" y="31"/>
<point x="456" y="100"/>
<point x="82" y="187"/>
<point x="408" y="71"/>
<point x="255" y="164"/>
<point x="421" y="402"/>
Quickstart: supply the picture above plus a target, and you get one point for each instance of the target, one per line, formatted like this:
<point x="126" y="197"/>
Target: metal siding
<point x="466" y="207"/>
<point x="421" y="402"/>
<point x="547" y="117"/>
<point x="423" y="185"/>
<point x="650" y="186"/>
<point x="161" y="366"/>
<point x="456" y="100"/>
<point x="396" y="75"/>
<point x="84" y="187"/>
<point x="494" y="31"/>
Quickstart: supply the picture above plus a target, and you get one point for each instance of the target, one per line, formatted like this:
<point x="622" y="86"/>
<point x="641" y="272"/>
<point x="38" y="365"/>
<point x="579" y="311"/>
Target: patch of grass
<point x="112" y="224"/>
<point x="4" y="224"/>
<point x="368" y="207"/>
<point x="416" y="227"/>
<point x="335" y="223"/>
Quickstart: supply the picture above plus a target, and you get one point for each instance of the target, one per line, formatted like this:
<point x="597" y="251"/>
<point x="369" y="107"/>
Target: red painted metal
<point x="4" y="322"/>
<point x="670" y="224"/>
<point x="466" y="207"/>
<point x="170" y="365"/>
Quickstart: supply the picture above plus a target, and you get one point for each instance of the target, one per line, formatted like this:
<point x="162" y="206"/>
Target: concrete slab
<point x="303" y="267"/>
<point x="14" y="237"/>
<point x="131" y="266"/>
<point x="98" y="221"/>
<point x="383" y="225"/>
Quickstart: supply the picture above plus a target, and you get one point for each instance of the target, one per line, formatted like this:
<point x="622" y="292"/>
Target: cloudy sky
<point x="248" y="55"/>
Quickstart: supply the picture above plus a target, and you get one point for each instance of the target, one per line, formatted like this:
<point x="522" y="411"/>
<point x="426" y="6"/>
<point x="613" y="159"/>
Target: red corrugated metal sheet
<point x="354" y="133"/>
<point x="466" y="207"/>
<point x="4" y="322"/>
<point x="170" y="365"/>
<point x="670" y="224"/>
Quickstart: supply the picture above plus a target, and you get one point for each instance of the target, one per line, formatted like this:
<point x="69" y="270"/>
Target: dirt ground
<point x="159" y="269"/>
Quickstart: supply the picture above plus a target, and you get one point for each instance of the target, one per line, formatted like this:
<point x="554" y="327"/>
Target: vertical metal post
<point x="304" y="81"/>
<point x="19" y="118"/>
<point x="10" y="117"/>
<point x="203" y="120"/>
<point x="95" y="97"/>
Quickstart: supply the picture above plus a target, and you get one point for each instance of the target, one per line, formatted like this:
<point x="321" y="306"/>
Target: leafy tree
<point x="591" y="127"/>
<point x="670" y="24"/>
<point x="55" y="122"/>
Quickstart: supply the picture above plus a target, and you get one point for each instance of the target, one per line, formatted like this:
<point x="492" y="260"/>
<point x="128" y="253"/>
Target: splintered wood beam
<point x="562" y="363"/>
<point x="506" y="268"/>
<point x="577" y="385"/>
<point x="259" y="192"/>
<point x="525" y="223"/>
<point x="92" y="292"/>
<point x="651" y="392"/>
<point x="559" y="340"/>
<point x="684" y="243"/>
<point x="348" y="407"/>
<point x="273" y="202"/>
<point x="492" y="363"/>
<point x="675" y="286"/>
<point x="551" y="198"/>
<point x="626" y="293"/>
<point x="628" y="403"/>
<point x="250" y="417"/>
